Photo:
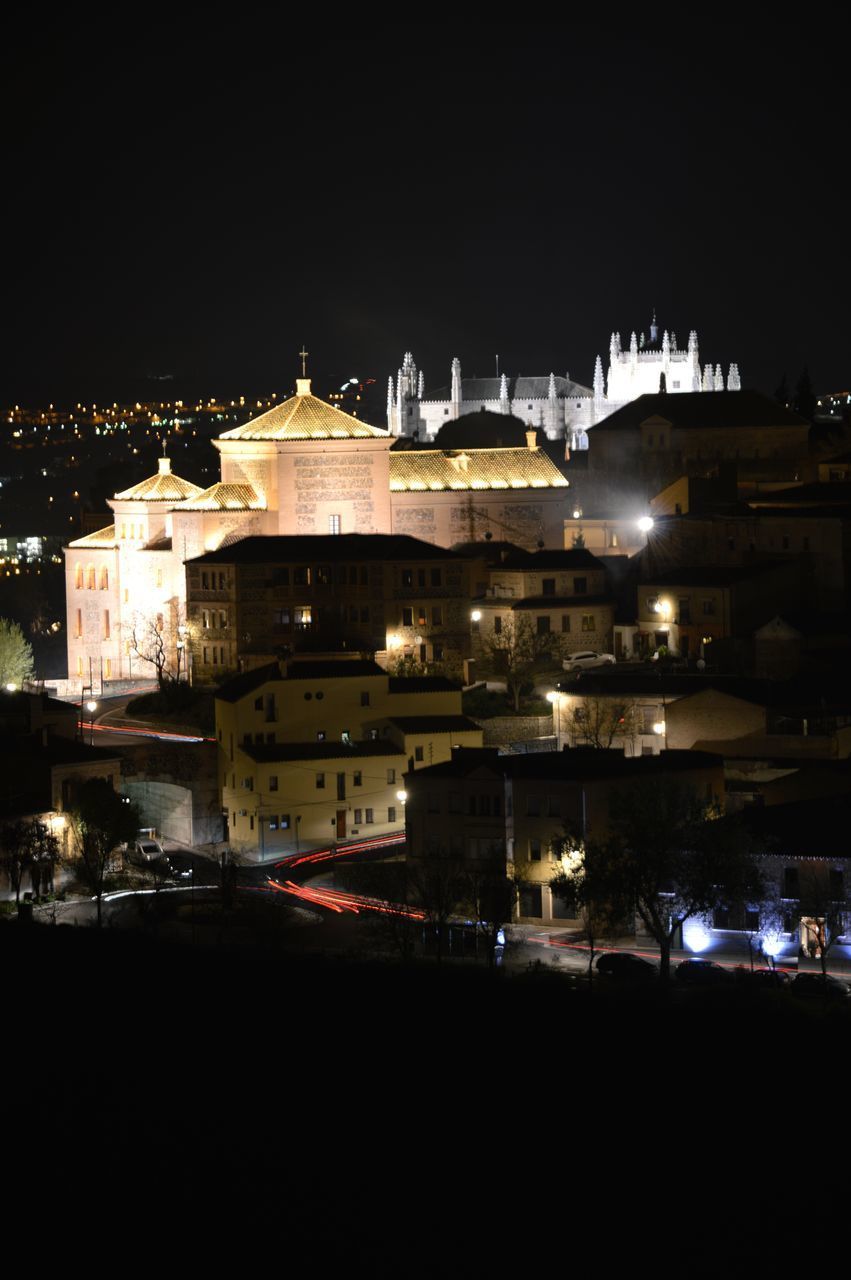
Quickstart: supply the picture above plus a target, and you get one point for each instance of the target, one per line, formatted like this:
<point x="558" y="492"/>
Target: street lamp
<point x="554" y="698"/>
<point x="645" y="524"/>
<point x="402" y="796"/>
<point x="91" y="707"/>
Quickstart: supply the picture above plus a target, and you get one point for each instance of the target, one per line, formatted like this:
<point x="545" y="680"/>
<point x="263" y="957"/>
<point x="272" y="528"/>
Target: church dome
<point x="482" y="430"/>
<point x="304" y="417"/>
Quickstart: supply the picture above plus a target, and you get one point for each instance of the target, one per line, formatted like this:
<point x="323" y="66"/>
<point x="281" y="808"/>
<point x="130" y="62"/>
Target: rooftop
<point x="435" y="724"/>
<point x="702" y="409"/>
<point x="439" y="470"/>
<point x="163" y="487"/>
<point x="323" y="547"/>
<point x="305" y="417"/>
<point x="576" y="764"/>
<point x="226" y="497"/>
<point x="275" y="752"/>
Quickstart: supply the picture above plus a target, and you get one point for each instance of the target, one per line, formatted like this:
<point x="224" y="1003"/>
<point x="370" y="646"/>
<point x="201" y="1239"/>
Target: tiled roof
<point x="163" y="487"/>
<point x="390" y="548"/>
<point x="438" y="470"/>
<point x="226" y="497"/>
<point x="305" y="417"/>
<point x="101" y="538"/>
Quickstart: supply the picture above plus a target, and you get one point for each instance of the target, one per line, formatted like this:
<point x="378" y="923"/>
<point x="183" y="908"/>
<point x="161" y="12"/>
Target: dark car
<point x="820" y="985"/>
<point x="702" y="973"/>
<point x="174" y="866"/>
<point x="764" y="979"/>
<point x="627" y="967"/>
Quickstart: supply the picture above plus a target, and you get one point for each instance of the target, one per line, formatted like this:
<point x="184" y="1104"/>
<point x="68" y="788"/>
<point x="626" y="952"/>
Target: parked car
<point x="820" y="985"/>
<point x="765" y="979"/>
<point x="703" y="973"/>
<point x="587" y="658"/>
<point x="145" y="849"/>
<point x="626" y="967"/>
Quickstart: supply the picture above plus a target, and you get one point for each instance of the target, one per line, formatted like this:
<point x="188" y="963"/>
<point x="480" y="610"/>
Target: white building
<point x="560" y="407"/>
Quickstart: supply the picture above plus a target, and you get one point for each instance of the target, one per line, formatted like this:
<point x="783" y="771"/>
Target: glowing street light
<point x="645" y="524"/>
<point x="91" y="707"/>
<point x="402" y="797"/>
<point x="476" y="615"/>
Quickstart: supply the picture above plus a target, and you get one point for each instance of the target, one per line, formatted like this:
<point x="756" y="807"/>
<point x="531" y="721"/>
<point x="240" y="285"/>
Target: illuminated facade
<point x="314" y="750"/>
<point x="557" y="406"/>
<point x="302" y="468"/>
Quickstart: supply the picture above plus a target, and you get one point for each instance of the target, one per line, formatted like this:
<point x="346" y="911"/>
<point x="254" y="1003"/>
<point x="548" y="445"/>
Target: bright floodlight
<point x="476" y="615"/>
<point x="552" y="696"/>
<point x="401" y="796"/>
<point x="91" y="706"/>
<point x="645" y="524"/>
<point x="659" y="727"/>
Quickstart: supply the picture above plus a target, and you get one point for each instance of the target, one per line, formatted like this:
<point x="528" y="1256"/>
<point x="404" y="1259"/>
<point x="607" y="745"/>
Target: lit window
<point x="333" y="524"/>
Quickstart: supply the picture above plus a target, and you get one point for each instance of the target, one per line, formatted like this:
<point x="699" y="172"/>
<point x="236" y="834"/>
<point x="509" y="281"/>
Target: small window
<point x="497" y="625"/>
<point x="369" y="816"/>
<point x="548" y="586"/>
<point x="436" y="575"/>
<point x="273" y="782"/>
<point x="588" y="623"/>
<point x="418" y="753"/>
<point x="334" y="524"/>
<point x="273" y="822"/>
<point x="391" y="813"/>
<point x="543" y="625"/>
<point x="436" y="616"/>
<point x="407" y="617"/>
<point x="358" y="817"/>
<point x="580" y="586"/>
<point x="320" y="782"/>
<point x="565" y="622"/>
<point x="534" y="851"/>
<point x="364" y="698"/>
<point x="357" y="778"/>
<point x="391" y="777"/>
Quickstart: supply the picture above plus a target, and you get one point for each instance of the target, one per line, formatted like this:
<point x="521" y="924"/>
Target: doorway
<point x="341" y="824"/>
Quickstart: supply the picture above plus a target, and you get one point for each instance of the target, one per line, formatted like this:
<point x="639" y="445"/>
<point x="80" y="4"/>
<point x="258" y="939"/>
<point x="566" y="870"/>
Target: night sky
<point x="198" y="205"/>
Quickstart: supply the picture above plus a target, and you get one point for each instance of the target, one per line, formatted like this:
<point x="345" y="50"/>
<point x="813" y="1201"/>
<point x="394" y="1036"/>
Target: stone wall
<point x="504" y="729"/>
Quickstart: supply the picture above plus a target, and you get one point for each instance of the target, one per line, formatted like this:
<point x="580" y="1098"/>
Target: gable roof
<point x="438" y="470"/>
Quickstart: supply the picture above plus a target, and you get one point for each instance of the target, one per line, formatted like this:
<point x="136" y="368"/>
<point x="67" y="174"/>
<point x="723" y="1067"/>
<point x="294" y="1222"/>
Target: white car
<point x="587" y="658"/>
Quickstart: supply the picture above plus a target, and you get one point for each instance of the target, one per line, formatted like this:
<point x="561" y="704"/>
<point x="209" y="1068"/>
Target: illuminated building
<point x="313" y="750"/>
<point x="303" y="467"/>
<point x="557" y="406"/>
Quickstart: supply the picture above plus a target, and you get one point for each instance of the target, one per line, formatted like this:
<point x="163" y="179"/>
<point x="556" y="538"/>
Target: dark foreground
<point x="193" y="1105"/>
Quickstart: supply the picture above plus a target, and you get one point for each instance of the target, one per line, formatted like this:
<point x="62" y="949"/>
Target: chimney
<point x="531" y="438"/>
<point x="164" y="466"/>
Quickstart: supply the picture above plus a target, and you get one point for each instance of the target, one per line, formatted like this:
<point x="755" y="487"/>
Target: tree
<point x="517" y="651"/>
<point x="29" y="847"/>
<point x="161" y="640"/>
<point x="575" y="886"/>
<point x="600" y="722"/>
<point x="16" y="655"/>
<point x="667" y="858"/>
<point x="491" y="897"/>
<point x="804" y="402"/>
<point x="101" y="821"/>
<point x="824" y="907"/>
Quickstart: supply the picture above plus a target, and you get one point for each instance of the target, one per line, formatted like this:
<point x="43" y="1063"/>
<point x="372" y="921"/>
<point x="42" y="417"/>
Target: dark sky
<point x="201" y="204"/>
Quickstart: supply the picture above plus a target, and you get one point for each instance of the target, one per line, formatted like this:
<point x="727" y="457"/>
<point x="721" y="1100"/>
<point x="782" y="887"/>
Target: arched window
<point x="78" y="577"/>
<point x="104" y="579"/>
<point x="90" y="577"/>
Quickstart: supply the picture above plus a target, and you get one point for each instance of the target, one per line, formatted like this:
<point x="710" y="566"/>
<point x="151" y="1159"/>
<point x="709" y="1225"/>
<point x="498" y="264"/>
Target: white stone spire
<point x="457" y="394"/>
<point x="421" y="385"/>
<point x="599" y="385"/>
<point x="504" y="406"/>
<point x="551" y="389"/>
<point x="614" y="346"/>
<point x="633" y="344"/>
<point x="708" y="379"/>
<point x="719" y="378"/>
<point x="390" y="406"/>
<point x="733" y="381"/>
<point x="666" y="344"/>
